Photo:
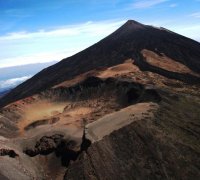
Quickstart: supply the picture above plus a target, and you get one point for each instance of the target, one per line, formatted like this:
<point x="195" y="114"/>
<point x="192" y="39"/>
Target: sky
<point x="49" y="30"/>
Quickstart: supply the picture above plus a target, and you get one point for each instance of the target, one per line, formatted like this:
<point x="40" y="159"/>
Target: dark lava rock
<point x="8" y="152"/>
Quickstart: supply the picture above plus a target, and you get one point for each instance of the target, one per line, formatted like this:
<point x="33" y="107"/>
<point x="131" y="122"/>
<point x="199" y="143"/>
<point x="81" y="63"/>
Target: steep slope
<point x="163" y="147"/>
<point x="126" y="42"/>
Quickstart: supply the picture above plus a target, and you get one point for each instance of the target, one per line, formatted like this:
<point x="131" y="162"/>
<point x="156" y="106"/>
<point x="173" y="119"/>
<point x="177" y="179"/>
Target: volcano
<point x="128" y="42"/>
<point x="125" y="108"/>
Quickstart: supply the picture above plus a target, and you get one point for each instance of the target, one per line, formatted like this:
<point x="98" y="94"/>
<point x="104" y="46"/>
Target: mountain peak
<point x="129" y="27"/>
<point x="131" y="24"/>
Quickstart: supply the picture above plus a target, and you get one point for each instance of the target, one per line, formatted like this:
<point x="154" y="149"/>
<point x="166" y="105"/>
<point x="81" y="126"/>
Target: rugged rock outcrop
<point x="152" y="148"/>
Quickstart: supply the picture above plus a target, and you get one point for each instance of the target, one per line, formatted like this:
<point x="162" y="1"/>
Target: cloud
<point x="143" y="4"/>
<point x="11" y="83"/>
<point x="36" y="58"/>
<point x="18" y="48"/>
<point x="196" y="15"/>
<point x="72" y="30"/>
<point x="40" y="33"/>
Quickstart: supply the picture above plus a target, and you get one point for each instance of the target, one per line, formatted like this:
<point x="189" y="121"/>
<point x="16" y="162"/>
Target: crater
<point x="41" y="122"/>
<point x="91" y="99"/>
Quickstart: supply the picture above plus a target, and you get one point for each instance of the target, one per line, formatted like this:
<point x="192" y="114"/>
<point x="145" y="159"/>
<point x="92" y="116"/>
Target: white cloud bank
<point x="52" y="45"/>
<point x="92" y="28"/>
<point x="35" y="58"/>
<point x="11" y="83"/>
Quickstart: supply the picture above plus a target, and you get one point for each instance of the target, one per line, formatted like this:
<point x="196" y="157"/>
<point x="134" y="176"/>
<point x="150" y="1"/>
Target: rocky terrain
<point x="124" y="108"/>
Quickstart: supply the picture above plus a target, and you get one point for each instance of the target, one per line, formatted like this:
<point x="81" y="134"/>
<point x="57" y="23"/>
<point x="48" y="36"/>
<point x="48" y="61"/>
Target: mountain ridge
<point x="126" y="42"/>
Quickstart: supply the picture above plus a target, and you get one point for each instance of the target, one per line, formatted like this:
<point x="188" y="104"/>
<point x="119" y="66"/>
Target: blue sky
<point x="40" y="31"/>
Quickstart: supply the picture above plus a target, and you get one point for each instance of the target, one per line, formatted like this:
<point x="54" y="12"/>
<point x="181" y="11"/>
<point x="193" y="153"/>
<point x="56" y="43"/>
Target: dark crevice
<point x="85" y="142"/>
<point x="65" y="153"/>
<point x="151" y="95"/>
<point x="8" y="152"/>
<point x="133" y="95"/>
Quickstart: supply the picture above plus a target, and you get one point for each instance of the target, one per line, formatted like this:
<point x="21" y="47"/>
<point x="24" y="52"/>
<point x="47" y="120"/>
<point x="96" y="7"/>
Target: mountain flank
<point x="125" y="108"/>
<point x="125" y="43"/>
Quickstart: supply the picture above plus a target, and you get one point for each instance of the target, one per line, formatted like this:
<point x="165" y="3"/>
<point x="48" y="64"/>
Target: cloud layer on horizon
<point x="11" y="83"/>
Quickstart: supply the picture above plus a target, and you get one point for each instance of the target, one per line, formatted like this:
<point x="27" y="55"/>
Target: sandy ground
<point x="78" y="111"/>
<point x="114" y="121"/>
<point x="166" y="63"/>
<point x="66" y="115"/>
<point x="39" y="111"/>
<point x="117" y="70"/>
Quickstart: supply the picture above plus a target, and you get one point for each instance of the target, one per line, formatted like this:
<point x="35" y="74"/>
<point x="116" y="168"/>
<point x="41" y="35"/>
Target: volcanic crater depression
<point x="68" y="106"/>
